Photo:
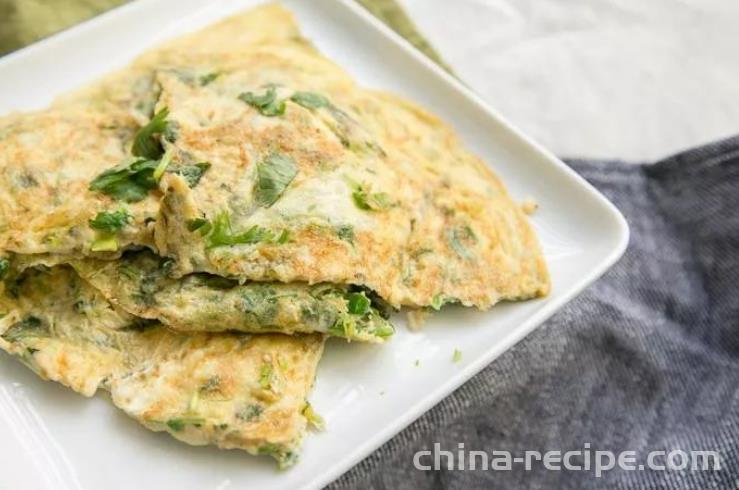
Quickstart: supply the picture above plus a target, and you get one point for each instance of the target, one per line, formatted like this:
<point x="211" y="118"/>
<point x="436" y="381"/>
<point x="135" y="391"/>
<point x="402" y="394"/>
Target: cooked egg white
<point x="234" y="391"/>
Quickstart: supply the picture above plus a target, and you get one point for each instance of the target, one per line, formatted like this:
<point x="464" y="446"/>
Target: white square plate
<point x="52" y="438"/>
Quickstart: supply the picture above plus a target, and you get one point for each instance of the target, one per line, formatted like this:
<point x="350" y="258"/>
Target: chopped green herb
<point x="437" y="301"/>
<point x="192" y="173"/>
<point x="282" y="362"/>
<point x="358" y="303"/>
<point x="144" y="143"/>
<point x="266" y="375"/>
<point x="251" y="412"/>
<point x="417" y="363"/>
<point x="274" y="174"/>
<point x="285" y="236"/>
<point x="344" y="327"/>
<point x="267" y="103"/>
<point x="457" y="356"/>
<point x="107" y="244"/>
<point x="29" y="327"/>
<point x="127" y="182"/>
<point x="162" y="165"/>
<point x="284" y="457"/>
<point x="440" y="300"/>
<point x="4" y="266"/>
<point x="110" y="222"/>
<point x="383" y="330"/>
<point x="310" y="100"/>
<point x="222" y="234"/>
<point x="207" y="78"/>
<point x="178" y="424"/>
<point x="259" y="301"/>
<point x="370" y="201"/>
<point x="196" y="224"/>
<point x="458" y="239"/>
<point x="314" y="420"/>
<point x="346" y="233"/>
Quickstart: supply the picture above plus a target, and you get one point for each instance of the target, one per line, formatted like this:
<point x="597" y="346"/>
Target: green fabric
<point x="395" y="17"/>
<point x="25" y="21"/>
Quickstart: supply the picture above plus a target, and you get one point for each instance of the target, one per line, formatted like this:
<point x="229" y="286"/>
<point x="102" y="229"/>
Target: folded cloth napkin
<point x="646" y="359"/>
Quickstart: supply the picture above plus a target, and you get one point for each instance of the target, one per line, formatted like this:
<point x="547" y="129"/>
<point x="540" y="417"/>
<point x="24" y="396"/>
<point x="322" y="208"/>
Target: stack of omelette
<point x="187" y="232"/>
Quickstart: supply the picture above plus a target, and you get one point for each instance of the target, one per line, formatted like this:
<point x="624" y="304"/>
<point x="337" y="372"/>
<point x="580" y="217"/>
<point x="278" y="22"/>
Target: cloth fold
<point x="646" y="359"/>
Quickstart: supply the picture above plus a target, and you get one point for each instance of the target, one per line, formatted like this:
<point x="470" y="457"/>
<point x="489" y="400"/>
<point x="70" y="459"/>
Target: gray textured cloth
<point x="645" y="359"/>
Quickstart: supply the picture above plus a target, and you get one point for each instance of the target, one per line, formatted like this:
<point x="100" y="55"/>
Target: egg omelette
<point x="228" y="182"/>
<point x="235" y="391"/>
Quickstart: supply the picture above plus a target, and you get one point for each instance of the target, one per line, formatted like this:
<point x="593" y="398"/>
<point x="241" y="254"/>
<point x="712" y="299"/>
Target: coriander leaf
<point x="283" y="238"/>
<point x="110" y="222"/>
<point x="259" y="101"/>
<point x="255" y="234"/>
<point x="179" y="424"/>
<point x="310" y="100"/>
<point x="346" y="233"/>
<point x="366" y="201"/>
<point x="222" y="234"/>
<point x="274" y="174"/>
<point x="207" y="78"/>
<point x="272" y="110"/>
<point x="358" y="303"/>
<point x="267" y="103"/>
<point x="144" y="143"/>
<point x="196" y="224"/>
<point x="127" y="182"/>
<point x="192" y="173"/>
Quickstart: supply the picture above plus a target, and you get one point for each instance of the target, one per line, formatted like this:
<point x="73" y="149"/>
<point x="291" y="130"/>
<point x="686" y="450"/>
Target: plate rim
<point x="424" y="404"/>
<point x="446" y="388"/>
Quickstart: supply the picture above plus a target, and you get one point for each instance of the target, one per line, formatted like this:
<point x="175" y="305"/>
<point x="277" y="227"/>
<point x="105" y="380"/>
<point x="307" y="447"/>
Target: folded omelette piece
<point x="199" y="58"/>
<point x="234" y="391"/>
<point x="365" y="189"/>
<point x="139" y="283"/>
<point x="80" y="183"/>
<point x="48" y="161"/>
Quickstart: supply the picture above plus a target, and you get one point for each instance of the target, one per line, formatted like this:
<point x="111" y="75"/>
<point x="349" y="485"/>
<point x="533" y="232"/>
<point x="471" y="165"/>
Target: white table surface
<point x="629" y="79"/>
